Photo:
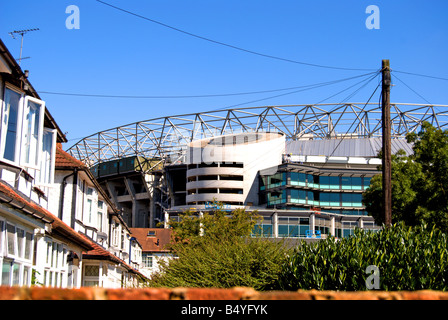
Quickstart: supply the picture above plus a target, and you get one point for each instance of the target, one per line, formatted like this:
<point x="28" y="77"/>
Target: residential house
<point x="155" y="248"/>
<point x="35" y="245"/>
<point x="57" y="226"/>
<point x="85" y="206"/>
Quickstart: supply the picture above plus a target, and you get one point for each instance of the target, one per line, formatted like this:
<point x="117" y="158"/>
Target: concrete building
<point x="302" y="167"/>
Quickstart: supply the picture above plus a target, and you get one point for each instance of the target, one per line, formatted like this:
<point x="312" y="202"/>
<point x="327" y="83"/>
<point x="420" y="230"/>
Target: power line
<point x="229" y="45"/>
<point x="411" y="88"/>
<point x="420" y="75"/>
<point x="201" y="95"/>
<point x="311" y="87"/>
<point x="347" y="131"/>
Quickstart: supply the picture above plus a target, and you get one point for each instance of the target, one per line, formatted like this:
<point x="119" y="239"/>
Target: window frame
<point x="89" y="280"/>
<point x="55" y="263"/>
<point x="49" y="168"/>
<point x="20" y="264"/>
<point x="4" y="126"/>
<point x="40" y="127"/>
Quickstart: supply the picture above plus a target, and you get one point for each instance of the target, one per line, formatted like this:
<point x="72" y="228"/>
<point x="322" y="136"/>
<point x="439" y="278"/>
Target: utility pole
<point x="387" y="157"/>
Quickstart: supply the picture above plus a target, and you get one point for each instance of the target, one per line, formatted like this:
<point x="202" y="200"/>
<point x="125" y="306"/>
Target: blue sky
<point x="115" y="53"/>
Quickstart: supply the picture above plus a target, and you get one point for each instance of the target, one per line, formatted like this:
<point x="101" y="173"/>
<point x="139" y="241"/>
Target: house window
<point x="147" y="260"/>
<point x="101" y="208"/>
<point x="10" y="124"/>
<point x="22" y="130"/>
<point x="91" y="276"/>
<point x="11" y="239"/>
<point x="32" y="132"/>
<point x="116" y="235"/>
<point x="90" y="204"/>
<point x="92" y="271"/>
<point x="46" y="163"/>
<point x="15" y="254"/>
<point x="55" y="266"/>
<point x="89" y="209"/>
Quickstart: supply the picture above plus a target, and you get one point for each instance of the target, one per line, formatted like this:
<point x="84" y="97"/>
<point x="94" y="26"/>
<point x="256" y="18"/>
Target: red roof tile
<point x="57" y="224"/>
<point x="64" y="160"/>
<point x="159" y="242"/>
<point x="100" y="253"/>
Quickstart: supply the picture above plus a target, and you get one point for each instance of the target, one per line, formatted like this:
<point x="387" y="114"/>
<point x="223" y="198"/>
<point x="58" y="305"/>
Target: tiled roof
<point x="100" y="253"/>
<point x="64" y="160"/>
<point x="9" y="195"/>
<point x="157" y="241"/>
<point x="57" y="224"/>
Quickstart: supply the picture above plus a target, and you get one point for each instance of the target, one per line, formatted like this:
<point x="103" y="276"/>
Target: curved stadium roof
<point x="160" y="137"/>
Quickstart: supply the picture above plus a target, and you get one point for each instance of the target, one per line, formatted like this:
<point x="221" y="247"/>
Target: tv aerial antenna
<point x="22" y="33"/>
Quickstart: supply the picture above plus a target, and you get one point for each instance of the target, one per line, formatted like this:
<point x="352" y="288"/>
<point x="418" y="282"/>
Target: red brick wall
<point x="38" y="293"/>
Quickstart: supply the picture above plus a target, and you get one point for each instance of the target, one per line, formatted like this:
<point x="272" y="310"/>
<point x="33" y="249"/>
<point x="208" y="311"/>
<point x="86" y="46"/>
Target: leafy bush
<point x="408" y="258"/>
<point x="217" y="251"/>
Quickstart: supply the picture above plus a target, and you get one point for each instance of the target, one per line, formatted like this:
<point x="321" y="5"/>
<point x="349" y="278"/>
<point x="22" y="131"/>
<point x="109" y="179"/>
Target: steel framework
<point x="169" y="136"/>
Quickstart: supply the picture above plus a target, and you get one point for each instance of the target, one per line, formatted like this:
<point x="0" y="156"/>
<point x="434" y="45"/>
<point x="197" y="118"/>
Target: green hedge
<point x="408" y="258"/>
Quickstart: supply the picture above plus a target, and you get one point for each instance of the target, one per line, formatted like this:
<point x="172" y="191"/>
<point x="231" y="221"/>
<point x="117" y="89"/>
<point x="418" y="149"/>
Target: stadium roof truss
<point x="160" y="137"/>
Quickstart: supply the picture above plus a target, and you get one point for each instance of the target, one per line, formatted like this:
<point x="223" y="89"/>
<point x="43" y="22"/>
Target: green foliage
<point x="419" y="182"/>
<point x="409" y="258"/>
<point x="191" y="228"/>
<point x="223" y="256"/>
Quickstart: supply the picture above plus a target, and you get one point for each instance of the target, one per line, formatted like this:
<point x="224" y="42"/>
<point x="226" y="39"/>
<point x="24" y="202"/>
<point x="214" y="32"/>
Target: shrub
<point x="408" y="258"/>
<point x="217" y="251"/>
<point x="224" y="264"/>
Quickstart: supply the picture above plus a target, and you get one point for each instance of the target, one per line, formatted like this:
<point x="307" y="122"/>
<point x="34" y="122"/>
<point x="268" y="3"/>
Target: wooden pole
<point x="387" y="158"/>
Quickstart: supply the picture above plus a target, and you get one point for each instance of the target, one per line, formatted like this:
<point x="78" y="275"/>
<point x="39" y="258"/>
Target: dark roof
<point x="152" y="239"/>
<point x="362" y="147"/>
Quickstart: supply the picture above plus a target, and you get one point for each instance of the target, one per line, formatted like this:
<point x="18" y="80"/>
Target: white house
<point x="57" y="226"/>
<point x="155" y="248"/>
<point x="35" y="246"/>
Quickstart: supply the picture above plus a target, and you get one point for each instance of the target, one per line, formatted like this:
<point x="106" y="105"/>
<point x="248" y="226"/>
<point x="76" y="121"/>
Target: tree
<point x="419" y="182"/>
<point x="217" y="250"/>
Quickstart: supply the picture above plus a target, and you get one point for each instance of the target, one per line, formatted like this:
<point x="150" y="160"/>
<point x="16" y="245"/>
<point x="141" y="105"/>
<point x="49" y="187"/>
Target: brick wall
<point x="39" y="293"/>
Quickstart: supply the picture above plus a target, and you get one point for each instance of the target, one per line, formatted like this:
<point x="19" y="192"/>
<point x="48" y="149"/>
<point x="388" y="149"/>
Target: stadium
<point x="302" y="167"/>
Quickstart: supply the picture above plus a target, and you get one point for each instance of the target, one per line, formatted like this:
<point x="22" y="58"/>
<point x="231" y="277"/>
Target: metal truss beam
<point x="169" y="136"/>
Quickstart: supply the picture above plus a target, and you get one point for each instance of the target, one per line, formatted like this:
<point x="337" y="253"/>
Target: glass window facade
<point x="332" y="192"/>
<point x="292" y="227"/>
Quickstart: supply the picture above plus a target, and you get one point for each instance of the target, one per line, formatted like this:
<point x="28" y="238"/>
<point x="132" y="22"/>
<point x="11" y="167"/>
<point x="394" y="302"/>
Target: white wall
<point x="255" y="150"/>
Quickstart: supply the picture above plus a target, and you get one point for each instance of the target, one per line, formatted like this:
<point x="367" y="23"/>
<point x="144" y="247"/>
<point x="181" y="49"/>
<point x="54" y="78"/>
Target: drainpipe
<point x="61" y="200"/>
<point x="74" y="197"/>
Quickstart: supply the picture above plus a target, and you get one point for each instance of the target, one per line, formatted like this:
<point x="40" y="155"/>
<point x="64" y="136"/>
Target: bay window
<point x="32" y="131"/>
<point x="55" y="268"/>
<point x="11" y="113"/>
<point x="24" y="140"/>
<point x="46" y="163"/>
<point x="16" y="254"/>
